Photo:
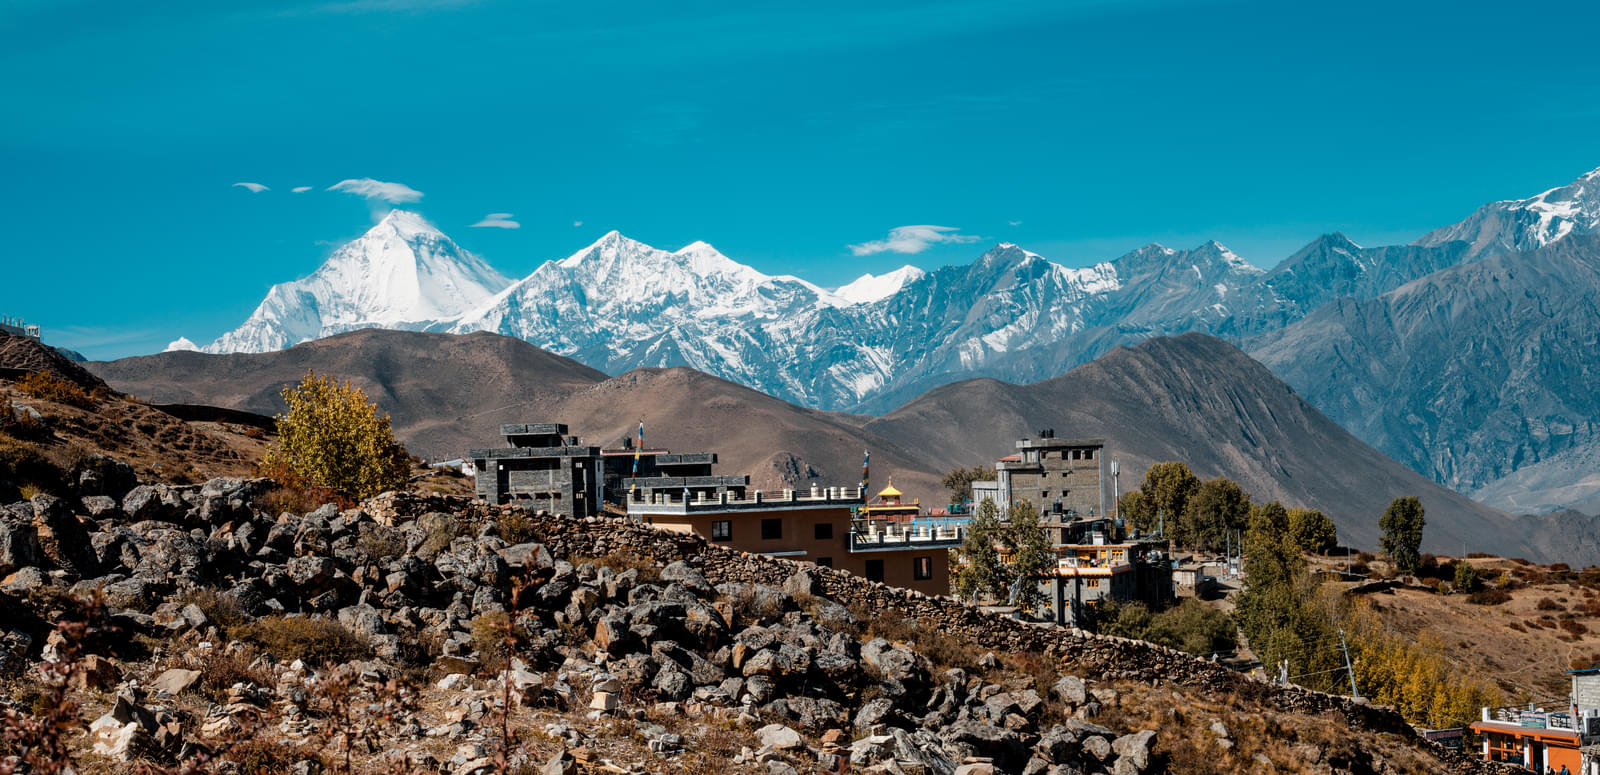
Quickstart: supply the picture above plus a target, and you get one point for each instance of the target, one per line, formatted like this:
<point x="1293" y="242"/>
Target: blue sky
<point x="781" y="133"/>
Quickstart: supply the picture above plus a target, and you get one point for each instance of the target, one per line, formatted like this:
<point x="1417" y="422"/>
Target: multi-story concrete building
<point x="1058" y="476"/>
<point x="1065" y="479"/>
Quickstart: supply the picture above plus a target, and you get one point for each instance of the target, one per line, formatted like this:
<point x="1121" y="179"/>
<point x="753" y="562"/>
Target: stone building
<point x="1058" y="476"/>
<point x="542" y="467"/>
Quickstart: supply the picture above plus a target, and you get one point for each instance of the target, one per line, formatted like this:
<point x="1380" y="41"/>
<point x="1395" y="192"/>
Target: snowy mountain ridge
<point x="619" y="304"/>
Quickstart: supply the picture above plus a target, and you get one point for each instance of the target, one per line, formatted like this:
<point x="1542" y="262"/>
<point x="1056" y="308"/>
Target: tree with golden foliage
<point x="1413" y="674"/>
<point x="334" y="437"/>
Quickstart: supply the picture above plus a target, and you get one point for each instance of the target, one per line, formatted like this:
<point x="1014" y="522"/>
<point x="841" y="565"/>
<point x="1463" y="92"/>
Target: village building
<point x="17" y="327"/>
<point x="545" y="468"/>
<point x="821" y="525"/>
<point x="1544" y="739"/>
<point x="1096" y="558"/>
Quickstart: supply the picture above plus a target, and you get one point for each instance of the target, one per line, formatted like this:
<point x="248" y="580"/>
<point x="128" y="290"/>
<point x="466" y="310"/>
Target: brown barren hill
<point x="779" y="444"/>
<point x="1201" y="400"/>
<point x="444" y="392"/>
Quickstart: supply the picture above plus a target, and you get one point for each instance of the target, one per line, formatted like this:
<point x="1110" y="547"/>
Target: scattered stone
<point x="175" y="681"/>
<point x="779" y="737"/>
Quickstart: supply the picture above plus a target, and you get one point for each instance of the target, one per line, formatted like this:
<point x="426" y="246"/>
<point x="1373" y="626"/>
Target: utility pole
<point x="1348" y="668"/>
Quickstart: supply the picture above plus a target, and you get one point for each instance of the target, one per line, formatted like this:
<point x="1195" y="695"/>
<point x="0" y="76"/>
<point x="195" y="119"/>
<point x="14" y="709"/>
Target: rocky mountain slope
<point x="1521" y="225"/>
<point x="1198" y="399"/>
<point x="424" y="635"/>
<point x="1192" y="398"/>
<point x="1481" y="376"/>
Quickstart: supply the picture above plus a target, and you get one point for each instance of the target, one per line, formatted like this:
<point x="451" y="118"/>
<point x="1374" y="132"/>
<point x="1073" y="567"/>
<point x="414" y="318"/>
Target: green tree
<point x="1030" y="553"/>
<point x="332" y="436"/>
<point x="1402" y="525"/>
<point x="959" y="481"/>
<point x="1134" y="509"/>
<point x="1190" y="626"/>
<point x="981" y="572"/>
<point x="1216" y="508"/>
<point x="1466" y="577"/>
<point x="1280" y="609"/>
<point x="1313" y="531"/>
<point x="1166" y="488"/>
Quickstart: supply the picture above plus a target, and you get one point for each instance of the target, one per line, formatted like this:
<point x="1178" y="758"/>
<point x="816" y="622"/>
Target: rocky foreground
<point x="201" y="628"/>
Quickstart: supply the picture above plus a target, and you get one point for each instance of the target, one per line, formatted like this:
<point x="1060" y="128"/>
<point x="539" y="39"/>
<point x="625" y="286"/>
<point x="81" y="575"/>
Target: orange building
<point x="818" y="526"/>
<point x="1563" y="739"/>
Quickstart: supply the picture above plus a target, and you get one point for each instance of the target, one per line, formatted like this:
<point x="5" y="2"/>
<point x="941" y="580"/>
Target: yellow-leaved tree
<point x="334" y="437"/>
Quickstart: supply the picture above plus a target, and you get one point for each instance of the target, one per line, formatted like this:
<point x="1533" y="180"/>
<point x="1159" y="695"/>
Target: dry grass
<point x="314" y="640"/>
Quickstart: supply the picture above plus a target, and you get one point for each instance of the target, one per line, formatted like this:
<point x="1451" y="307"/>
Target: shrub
<point x="1489" y="596"/>
<point x="334" y="437"/>
<point x="22" y="425"/>
<point x="320" y="641"/>
<point x="219" y="672"/>
<point x="1572" y="627"/>
<point x="300" y="500"/>
<point x="48" y="387"/>
<point x="1546" y="604"/>
<point x="1466" y="577"/>
<point x="494" y="637"/>
<point x="514" y="527"/>
<point x="23" y="466"/>
<point x="220" y="608"/>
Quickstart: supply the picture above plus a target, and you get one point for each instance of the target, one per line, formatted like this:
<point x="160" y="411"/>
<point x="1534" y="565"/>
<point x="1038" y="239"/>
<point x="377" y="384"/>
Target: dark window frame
<point x="822" y="531"/>
<point x="922" y="568"/>
<point x="722" y="530"/>
<point x="772" y="529"/>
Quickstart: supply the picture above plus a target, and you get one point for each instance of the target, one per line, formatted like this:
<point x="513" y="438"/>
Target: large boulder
<point x="62" y="538"/>
<point x="19" y="542"/>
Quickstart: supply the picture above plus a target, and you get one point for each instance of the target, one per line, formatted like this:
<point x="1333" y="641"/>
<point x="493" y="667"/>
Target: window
<point x="874" y="570"/>
<point x="922" y="568"/>
<point x="722" y="530"/>
<point x="824" y="531"/>
<point x="771" y="529"/>
<point x="1077" y="455"/>
<point x="826" y="562"/>
<point x="1088" y="454"/>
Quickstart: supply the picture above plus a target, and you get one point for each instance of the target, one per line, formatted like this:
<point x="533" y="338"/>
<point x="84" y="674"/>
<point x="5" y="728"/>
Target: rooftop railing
<point x="868" y="536"/>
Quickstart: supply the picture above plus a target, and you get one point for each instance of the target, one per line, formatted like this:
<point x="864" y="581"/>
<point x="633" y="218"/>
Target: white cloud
<point x="300" y="189"/>
<point x="913" y="239"/>
<point x="393" y="193"/>
<point x="255" y="188"/>
<point x="577" y="223"/>
<point x="497" y="221"/>
<point x="1015" y="223"/>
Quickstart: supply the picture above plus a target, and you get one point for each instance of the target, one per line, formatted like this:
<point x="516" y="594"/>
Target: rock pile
<point x="609" y="619"/>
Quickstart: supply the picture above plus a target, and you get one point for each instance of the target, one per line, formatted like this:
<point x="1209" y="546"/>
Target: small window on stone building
<point x="1076" y="455"/>
<point x="824" y="531"/>
<point x="826" y="562"/>
<point x="874" y="570"/>
<point x="771" y="529"/>
<point x="722" y="530"/>
<point x="1088" y="454"/>
<point x="922" y="568"/>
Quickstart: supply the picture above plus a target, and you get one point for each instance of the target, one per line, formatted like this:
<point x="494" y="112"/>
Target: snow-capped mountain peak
<point x="182" y="344"/>
<point x="1528" y="224"/>
<point x="869" y="287"/>
<point x="402" y="273"/>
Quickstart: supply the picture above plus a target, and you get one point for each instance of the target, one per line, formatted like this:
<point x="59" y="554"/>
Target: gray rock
<point x="1135" y="748"/>
<point x="1071" y="690"/>
<point x="62" y="538"/>
<point x="19" y="542"/>
<point x="1097" y="746"/>
<point x="779" y="737"/>
<point x="679" y="572"/>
